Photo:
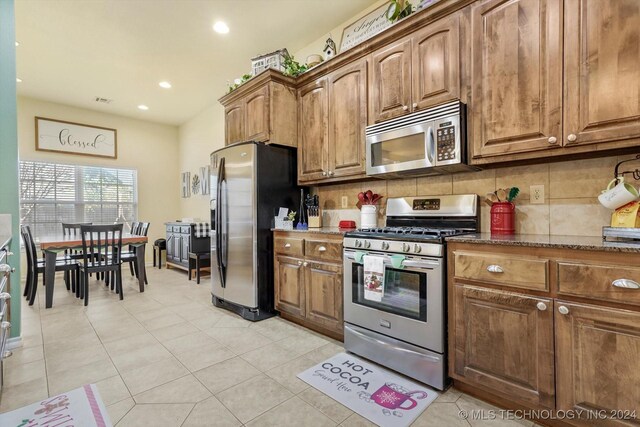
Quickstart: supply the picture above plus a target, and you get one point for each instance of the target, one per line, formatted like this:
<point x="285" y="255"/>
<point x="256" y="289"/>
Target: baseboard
<point x="14" y="342"/>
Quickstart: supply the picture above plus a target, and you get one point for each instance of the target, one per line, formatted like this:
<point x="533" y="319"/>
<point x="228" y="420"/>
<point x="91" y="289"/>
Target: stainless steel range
<point x="405" y="328"/>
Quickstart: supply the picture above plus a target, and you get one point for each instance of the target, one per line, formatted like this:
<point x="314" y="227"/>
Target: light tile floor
<point x="167" y="357"/>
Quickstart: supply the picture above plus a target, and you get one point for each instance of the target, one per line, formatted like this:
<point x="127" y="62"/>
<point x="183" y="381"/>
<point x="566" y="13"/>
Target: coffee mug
<point x="390" y="398"/>
<point x="620" y="195"/>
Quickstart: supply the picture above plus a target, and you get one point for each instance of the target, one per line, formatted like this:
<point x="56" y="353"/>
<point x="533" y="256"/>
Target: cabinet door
<point x="516" y="76"/>
<point x="347" y="119"/>
<point x="313" y="131"/>
<point x="257" y="115"/>
<point x="436" y="63"/>
<point x="323" y="288"/>
<point x="602" y="71"/>
<point x="504" y="341"/>
<point x="289" y="285"/>
<point x="177" y="247"/>
<point x="169" y="253"/>
<point x="234" y="123"/>
<point x="597" y="359"/>
<point x="391" y="82"/>
<point x="185" y="248"/>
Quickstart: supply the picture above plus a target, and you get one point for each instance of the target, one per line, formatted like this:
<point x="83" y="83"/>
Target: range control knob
<point x="417" y="248"/>
<point x="367" y="244"/>
<point x="385" y="246"/>
<point x="406" y="247"/>
<point x="358" y="244"/>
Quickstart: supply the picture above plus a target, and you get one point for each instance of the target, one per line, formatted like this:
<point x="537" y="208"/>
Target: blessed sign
<point x="75" y="138"/>
<point x="365" y="28"/>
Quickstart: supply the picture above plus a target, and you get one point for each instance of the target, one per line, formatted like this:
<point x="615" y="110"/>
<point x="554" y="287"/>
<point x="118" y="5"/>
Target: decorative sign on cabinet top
<point x="365" y="28"/>
<point x="75" y="138"/>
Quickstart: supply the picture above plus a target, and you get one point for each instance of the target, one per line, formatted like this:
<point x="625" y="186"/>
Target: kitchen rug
<point x="376" y="393"/>
<point x="81" y="407"/>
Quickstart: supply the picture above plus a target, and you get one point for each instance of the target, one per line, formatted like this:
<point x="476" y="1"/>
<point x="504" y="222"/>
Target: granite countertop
<point x="323" y="230"/>
<point x="4" y="240"/>
<point x="594" y="243"/>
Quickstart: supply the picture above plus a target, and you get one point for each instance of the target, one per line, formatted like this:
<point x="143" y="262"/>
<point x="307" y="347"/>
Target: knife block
<point x="315" y="221"/>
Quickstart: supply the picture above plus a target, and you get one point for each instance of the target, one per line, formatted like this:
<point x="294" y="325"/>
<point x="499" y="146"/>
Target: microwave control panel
<point x="446" y="141"/>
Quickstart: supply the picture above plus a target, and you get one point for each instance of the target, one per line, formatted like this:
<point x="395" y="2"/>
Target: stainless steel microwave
<point x="428" y="142"/>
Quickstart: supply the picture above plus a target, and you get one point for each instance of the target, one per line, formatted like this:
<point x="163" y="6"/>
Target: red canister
<point x="503" y="218"/>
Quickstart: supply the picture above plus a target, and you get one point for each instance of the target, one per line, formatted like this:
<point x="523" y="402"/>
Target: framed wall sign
<point x="186" y="184"/>
<point x="365" y="28"/>
<point x="75" y="138"/>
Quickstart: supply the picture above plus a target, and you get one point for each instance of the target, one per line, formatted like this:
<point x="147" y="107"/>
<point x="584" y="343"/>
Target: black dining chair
<point x="101" y="250"/>
<point x="35" y="266"/>
<point x="131" y="256"/>
<point x="72" y="230"/>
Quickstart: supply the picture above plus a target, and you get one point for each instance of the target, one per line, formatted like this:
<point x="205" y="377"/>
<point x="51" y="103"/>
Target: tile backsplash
<point x="570" y="207"/>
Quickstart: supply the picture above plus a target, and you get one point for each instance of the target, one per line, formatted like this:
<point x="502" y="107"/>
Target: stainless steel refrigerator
<point x="249" y="181"/>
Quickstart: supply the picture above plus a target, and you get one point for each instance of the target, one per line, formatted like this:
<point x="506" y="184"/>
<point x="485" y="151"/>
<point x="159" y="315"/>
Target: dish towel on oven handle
<point x="373" y="277"/>
<point x="202" y="229"/>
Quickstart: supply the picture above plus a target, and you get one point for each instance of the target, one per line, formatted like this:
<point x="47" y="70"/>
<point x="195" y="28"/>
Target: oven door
<point x="412" y="308"/>
<point x="400" y="150"/>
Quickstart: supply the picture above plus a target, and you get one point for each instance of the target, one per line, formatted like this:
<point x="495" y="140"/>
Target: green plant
<point x="238" y="82"/>
<point x="291" y="215"/>
<point x="399" y="9"/>
<point x="292" y="67"/>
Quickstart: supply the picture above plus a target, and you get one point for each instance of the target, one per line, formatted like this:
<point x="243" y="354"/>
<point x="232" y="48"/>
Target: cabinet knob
<point x="563" y="310"/>
<point x="415" y="105"/>
<point x="541" y="306"/>
<point x="287" y="245"/>
<point x="552" y="140"/>
<point x="493" y="268"/>
<point x="626" y="283"/>
<point x="572" y="137"/>
<point x="304" y="264"/>
<point x="405" y="107"/>
<point x="299" y="262"/>
<point x="331" y="173"/>
<point x="324" y="173"/>
<point x="322" y="249"/>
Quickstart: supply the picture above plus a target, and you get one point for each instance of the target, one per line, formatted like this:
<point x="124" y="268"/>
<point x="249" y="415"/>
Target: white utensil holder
<point x="368" y="216"/>
<point x="281" y="224"/>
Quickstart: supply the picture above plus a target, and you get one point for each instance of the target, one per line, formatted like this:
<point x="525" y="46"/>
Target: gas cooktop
<point x="408" y="233"/>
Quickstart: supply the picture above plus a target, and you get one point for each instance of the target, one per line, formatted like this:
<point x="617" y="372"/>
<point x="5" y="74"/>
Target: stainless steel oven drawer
<point x="415" y="362"/>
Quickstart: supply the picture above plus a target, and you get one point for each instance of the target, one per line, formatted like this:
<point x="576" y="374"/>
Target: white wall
<point x="150" y="148"/>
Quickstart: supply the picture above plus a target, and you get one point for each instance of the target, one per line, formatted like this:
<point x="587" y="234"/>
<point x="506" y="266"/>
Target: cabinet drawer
<point x="169" y="228"/>
<point x="185" y="230"/>
<point x="324" y="250"/>
<point x="288" y="246"/>
<point x="597" y="281"/>
<point x="501" y="269"/>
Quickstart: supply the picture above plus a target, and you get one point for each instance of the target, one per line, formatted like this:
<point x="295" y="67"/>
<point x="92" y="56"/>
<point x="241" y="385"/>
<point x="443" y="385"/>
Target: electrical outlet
<point x="536" y="194"/>
<point x="345" y="201"/>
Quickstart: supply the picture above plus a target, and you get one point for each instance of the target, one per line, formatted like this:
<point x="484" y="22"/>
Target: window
<point x="52" y="193"/>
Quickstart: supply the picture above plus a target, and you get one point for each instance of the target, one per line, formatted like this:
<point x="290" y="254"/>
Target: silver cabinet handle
<point x="541" y="306"/>
<point x="6" y="268"/>
<point x="299" y="262"/>
<point x="322" y="249"/>
<point x="304" y="264"/>
<point x="405" y="107"/>
<point x="493" y="268"/>
<point x="5" y="296"/>
<point x="563" y="310"/>
<point x="287" y="245"/>
<point x="552" y="140"/>
<point x="572" y="137"/>
<point x="626" y="283"/>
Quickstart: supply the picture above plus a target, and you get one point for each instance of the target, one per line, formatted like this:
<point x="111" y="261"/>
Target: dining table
<point x="53" y="244"/>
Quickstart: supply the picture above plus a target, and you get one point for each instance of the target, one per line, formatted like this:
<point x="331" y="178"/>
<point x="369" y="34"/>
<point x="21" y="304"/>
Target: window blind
<point x="52" y="193"/>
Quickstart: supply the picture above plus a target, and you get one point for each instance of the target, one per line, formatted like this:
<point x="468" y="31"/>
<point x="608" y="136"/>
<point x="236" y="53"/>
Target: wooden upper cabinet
<point x="289" y="285"/>
<point x="234" y="123"/>
<point x="390" y="82"/>
<point x="436" y="63"/>
<point x="313" y="132"/>
<point x="597" y="360"/>
<point x="323" y="290"/>
<point x="504" y="341"/>
<point x="516" y="76"/>
<point x="602" y="71"/>
<point x="347" y="120"/>
<point x="257" y="115"/>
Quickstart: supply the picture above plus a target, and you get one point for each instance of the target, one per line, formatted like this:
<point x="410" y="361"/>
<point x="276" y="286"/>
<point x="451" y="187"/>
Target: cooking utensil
<point x="491" y="198"/>
<point x="369" y="195"/>
<point x="513" y="193"/>
<point x="361" y="197"/>
<point x="502" y="195"/>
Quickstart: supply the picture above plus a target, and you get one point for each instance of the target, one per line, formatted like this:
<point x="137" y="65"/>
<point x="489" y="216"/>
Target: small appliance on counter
<point x="395" y="284"/>
<point x="249" y="180"/>
<point x="621" y="237"/>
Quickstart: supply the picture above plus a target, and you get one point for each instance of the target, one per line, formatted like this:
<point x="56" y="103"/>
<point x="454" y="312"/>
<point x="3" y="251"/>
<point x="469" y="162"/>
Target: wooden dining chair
<point x="36" y="266"/>
<point x="101" y="250"/>
<point x="72" y="230"/>
<point x="131" y="256"/>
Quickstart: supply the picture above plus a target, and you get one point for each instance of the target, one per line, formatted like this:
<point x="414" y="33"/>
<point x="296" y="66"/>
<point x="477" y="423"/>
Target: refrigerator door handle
<point x="218" y="215"/>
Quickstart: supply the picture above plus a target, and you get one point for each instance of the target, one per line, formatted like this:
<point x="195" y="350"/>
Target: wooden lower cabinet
<point x="504" y="341"/>
<point x="597" y="350"/>
<point x="308" y="280"/>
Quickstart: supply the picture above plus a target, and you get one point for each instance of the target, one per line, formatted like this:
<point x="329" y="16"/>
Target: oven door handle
<point x="424" y="264"/>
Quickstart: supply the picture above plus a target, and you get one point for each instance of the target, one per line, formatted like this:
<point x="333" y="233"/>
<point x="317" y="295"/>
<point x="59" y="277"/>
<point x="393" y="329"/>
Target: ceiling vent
<point x="103" y="100"/>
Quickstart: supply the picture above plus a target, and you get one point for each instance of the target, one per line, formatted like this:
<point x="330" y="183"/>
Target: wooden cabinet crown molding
<point x="261" y="79"/>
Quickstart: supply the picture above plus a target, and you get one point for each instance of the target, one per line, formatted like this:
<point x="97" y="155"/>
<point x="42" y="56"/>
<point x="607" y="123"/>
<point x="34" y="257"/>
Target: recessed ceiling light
<point x="143" y="107"/>
<point x="165" y="85"/>
<point x="220" y="27"/>
<point x="17" y="44"/>
<point x="18" y="80"/>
